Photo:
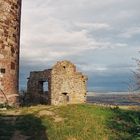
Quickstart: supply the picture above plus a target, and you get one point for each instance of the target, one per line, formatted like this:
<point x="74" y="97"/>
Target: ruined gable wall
<point x="10" y="11"/>
<point x="65" y="79"/>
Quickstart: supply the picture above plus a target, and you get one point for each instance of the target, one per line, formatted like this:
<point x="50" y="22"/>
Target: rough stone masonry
<point x="10" y="11"/>
<point x="64" y="85"/>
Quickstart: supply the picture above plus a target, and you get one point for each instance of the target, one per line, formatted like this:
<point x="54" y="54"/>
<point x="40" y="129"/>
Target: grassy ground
<point x="72" y="122"/>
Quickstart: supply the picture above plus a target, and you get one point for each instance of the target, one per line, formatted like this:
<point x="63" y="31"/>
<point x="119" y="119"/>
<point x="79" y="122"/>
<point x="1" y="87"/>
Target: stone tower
<point x="10" y="13"/>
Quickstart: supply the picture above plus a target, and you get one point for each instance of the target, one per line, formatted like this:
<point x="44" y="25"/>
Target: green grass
<point x="71" y="122"/>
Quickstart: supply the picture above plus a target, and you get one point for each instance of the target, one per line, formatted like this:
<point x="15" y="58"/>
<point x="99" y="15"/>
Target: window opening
<point x="2" y="70"/>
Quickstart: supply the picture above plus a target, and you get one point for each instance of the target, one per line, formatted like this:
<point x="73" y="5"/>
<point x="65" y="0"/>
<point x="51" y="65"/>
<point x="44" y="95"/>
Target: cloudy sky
<point x="100" y="37"/>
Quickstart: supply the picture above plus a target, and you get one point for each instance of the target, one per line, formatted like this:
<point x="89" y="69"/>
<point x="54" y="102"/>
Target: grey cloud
<point x="95" y="35"/>
<point x="130" y="32"/>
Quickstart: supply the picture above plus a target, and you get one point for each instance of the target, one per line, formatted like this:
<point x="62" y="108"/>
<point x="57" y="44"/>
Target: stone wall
<point x="65" y="85"/>
<point x="35" y="85"/>
<point x="10" y="11"/>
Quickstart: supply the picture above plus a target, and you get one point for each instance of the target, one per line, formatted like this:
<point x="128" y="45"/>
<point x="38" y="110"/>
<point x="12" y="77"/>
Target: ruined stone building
<point x="64" y="85"/>
<point x="10" y="11"/>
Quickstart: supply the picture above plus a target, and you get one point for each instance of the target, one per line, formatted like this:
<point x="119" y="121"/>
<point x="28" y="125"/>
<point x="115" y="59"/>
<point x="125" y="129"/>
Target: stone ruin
<point x="64" y="83"/>
<point x="57" y="86"/>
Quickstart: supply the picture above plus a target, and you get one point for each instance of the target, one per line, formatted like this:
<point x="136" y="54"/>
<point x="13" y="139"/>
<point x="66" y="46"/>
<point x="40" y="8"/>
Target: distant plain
<point x="114" y="98"/>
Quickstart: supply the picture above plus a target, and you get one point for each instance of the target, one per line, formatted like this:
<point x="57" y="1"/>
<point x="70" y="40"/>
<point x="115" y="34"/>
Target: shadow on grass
<point x="125" y="124"/>
<point x="29" y="127"/>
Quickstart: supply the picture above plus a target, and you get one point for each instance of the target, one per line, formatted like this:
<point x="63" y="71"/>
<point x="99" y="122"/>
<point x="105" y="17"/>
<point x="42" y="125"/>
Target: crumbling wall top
<point x="40" y="74"/>
<point x="63" y="67"/>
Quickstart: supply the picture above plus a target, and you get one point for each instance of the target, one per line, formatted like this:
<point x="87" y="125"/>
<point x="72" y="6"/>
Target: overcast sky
<point x="100" y="37"/>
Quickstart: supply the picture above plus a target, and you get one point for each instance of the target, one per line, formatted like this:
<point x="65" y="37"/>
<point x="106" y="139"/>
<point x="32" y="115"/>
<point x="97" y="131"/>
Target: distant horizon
<point x="101" y="86"/>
